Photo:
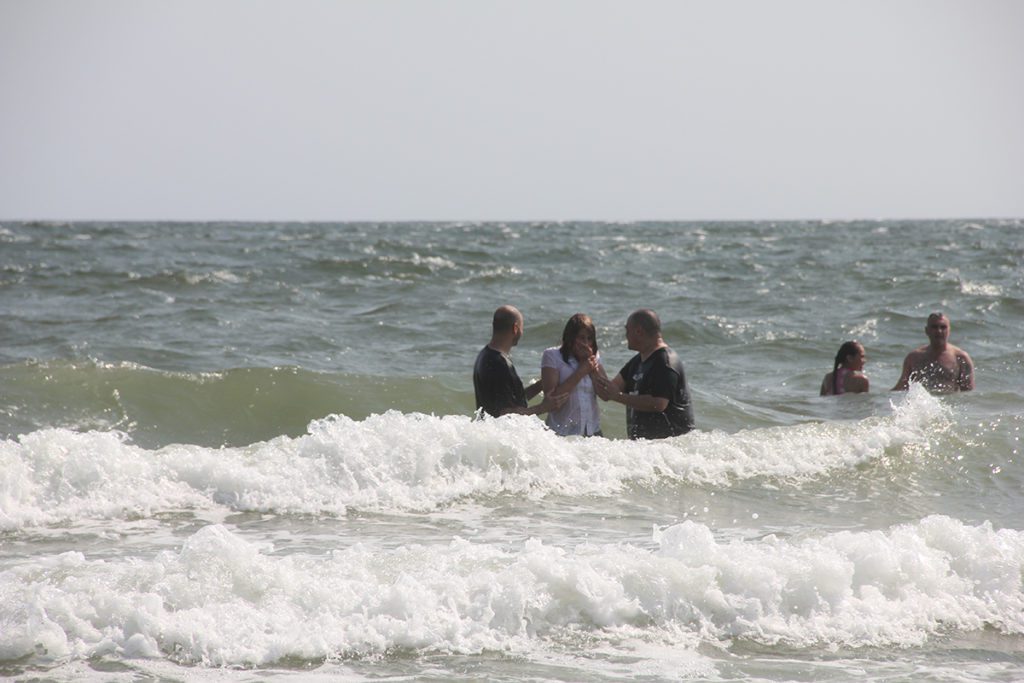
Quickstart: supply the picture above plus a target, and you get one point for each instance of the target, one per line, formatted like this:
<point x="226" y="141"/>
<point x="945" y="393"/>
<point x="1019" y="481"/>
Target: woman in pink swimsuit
<point x="847" y="376"/>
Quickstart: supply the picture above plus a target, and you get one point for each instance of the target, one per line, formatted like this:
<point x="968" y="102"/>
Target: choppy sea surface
<point x="246" y="452"/>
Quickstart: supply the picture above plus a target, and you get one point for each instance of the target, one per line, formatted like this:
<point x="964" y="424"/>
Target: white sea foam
<point x="980" y="288"/>
<point x="217" y="276"/>
<point x="222" y="600"/>
<point x="490" y="273"/>
<point x="865" y="330"/>
<point x="761" y="330"/>
<point x="59" y="475"/>
<point x="643" y="248"/>
<point x="433" y="262"/>
<point x="399" y="462"/>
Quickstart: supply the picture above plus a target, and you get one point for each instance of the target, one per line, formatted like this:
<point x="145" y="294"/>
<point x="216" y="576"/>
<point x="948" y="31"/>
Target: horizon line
<point x="268" y="221"/>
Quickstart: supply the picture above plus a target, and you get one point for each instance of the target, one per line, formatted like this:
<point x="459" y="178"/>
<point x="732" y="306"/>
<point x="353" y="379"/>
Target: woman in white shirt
<point x="570" y="369"/>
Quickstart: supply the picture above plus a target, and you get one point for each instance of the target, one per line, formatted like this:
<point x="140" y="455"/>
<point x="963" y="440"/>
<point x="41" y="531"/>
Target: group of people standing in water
<point x="652" y="385"/>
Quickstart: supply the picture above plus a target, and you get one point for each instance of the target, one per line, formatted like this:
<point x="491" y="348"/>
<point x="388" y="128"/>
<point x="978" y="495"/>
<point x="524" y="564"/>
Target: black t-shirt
<point x="660" y="375"/>
<point x="496" y="383"/>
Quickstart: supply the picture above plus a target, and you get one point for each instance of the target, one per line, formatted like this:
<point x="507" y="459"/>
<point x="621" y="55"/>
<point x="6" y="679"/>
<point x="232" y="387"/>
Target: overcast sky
<point x="538" y="109"/>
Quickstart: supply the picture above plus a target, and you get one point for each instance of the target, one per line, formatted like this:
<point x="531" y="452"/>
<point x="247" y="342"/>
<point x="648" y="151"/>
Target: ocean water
<point x="246" y="452"/>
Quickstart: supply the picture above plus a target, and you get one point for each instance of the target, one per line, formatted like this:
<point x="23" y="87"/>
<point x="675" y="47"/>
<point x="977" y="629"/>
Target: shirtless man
<point x="941" y="367"/>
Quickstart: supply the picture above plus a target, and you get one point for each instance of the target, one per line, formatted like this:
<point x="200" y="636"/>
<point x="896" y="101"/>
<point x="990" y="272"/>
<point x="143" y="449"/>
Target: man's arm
<point x="606" y="388"/>
<point x="612" y="391"/>
<point x="965" y="379"/>
<point x="904" y="381"/>
<point x="534" y="389"/>
<point x="645" y="403"/>
<point x="552" y="402"/>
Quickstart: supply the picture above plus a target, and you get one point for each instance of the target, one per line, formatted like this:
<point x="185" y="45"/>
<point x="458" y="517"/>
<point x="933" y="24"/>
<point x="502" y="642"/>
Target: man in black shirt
<point x="652" y="385"/>
<point x="499" y="390"/>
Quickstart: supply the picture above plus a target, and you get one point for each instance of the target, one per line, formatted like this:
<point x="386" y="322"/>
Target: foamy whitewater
<point x="241" y="452"/>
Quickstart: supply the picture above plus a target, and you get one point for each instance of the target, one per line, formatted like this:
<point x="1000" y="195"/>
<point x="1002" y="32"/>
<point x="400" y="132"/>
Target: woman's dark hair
<point x="576" y="323"/>
<point x="845" y="351"/>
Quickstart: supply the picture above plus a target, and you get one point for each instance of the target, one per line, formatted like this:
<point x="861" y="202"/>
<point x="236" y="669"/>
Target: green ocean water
<point x="358" y="318"/>
<point x="215" y="422"/>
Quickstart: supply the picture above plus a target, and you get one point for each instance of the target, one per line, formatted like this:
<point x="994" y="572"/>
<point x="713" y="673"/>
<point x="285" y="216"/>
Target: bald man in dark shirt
<point x="497" y="386"/>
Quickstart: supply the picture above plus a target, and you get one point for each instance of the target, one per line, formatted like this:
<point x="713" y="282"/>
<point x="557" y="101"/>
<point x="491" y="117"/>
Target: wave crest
<point x="225" y="601"/>
<point x="417" y="463"/>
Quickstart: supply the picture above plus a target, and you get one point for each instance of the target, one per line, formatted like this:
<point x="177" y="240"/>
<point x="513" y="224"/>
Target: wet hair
<point x="935" y="316"/>
<point x="505" y="319"/>
<point x="647" y="320"/>
<point x="845" y="351"/>
<point x="576" y="323"/>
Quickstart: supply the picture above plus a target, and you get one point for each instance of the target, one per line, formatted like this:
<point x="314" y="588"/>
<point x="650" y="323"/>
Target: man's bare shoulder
<point x="917" y="354"/>
<point x="959" y="353"/>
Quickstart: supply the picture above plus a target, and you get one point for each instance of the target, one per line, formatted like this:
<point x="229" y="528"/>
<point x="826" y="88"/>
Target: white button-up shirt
<point x="579" y="414"/>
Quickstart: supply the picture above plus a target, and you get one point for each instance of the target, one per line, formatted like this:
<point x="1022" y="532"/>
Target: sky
<point x="442" y="110"/>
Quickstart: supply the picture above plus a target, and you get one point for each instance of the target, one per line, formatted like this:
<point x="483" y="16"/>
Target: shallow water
<point x="246" y="451"/>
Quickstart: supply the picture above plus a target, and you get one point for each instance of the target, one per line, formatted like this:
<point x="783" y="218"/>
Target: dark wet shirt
<point x="661" y="375"/>
<point x="496" y="383"/>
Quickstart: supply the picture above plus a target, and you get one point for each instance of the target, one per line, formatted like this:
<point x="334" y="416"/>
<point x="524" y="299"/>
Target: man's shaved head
<point x="647" y="320"/>
<point x="505" y="317"/>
